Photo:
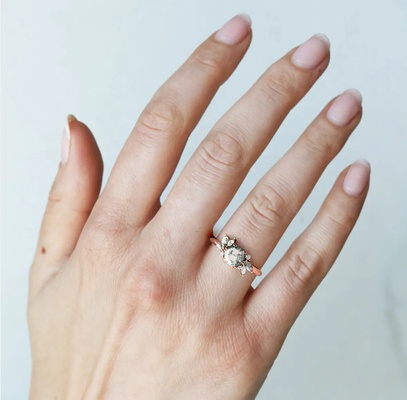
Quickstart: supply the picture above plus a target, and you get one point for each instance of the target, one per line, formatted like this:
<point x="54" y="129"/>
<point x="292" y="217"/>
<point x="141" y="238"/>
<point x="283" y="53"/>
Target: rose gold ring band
<point x="234" y="255"/>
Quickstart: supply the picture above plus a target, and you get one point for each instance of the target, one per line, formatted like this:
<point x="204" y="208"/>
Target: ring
<point x="234" y="255"/>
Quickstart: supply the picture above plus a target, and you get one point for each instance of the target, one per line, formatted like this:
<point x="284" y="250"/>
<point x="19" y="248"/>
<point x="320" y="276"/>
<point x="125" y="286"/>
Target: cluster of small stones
<point x="235" y="256"/>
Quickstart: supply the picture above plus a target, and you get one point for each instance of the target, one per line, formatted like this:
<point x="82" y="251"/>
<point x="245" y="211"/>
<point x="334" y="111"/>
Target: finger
<point x="72" y="196"/>
<point x="154" y="147"/>
<point x="266" y="213"/>
<point x="278" y="300"/>
<point x="221" y="162"/>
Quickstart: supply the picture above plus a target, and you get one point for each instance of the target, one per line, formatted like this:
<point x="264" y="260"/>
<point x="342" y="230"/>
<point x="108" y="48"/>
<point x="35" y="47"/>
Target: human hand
<point x="128" y="298"/>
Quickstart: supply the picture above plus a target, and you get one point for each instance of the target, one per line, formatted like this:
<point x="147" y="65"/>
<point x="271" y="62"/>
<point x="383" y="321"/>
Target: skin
<point x="119" y="307"/>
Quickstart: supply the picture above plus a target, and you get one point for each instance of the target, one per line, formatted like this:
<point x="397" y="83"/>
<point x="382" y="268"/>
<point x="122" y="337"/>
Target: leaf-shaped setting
<point x="231" y="242"/>
<point x="225" y="240"/>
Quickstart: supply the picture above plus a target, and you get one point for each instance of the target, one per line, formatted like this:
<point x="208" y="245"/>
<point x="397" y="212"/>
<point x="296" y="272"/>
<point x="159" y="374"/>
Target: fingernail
<point x="66" y="139"/>
<point x="345" y="107"/>
<point x="311" y="53"/>
<point x="357" y="178"/>
<point x="235" y="30"/>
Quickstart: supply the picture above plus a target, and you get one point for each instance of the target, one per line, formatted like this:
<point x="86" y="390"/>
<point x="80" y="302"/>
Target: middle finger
<point x="220" y="164"/>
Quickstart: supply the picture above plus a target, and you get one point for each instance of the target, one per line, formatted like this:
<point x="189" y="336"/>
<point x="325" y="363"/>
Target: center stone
<point x="234" y="256"/>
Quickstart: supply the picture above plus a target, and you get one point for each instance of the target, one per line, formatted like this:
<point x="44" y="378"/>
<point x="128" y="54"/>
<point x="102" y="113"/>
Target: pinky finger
<point x="281" y="296"/>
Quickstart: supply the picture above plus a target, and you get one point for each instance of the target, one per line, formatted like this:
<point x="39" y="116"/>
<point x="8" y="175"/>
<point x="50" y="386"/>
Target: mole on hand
<point x="43" y="250"/>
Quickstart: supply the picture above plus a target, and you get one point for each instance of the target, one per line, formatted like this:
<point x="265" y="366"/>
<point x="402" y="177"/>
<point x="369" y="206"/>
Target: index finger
<point x="153" y="149"/>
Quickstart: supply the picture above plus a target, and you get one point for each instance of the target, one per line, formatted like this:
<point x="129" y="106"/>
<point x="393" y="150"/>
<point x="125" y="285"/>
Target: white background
<point x="102" y="61"/>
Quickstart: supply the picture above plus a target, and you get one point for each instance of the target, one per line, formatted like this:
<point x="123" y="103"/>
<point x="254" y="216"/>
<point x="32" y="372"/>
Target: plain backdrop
<point x="103" y="60"/>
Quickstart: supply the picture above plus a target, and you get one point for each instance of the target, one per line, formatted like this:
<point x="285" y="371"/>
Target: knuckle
<point x="340" y="221"/>
<point x="106" y="228"/>
<point x="54" y="195"/>
<point x="54" y="198"/>
<point x="207" y="61"/>
<point x="219" y="154"/>
<point x="304" y="267"/>
<point x="320" y="148"/>
<point x="147" y="288"/>
<point x="280" y="86"/>
<point x="161" y="116"/>
<point x="268" y="207"/>
<point x="104" y="240"/>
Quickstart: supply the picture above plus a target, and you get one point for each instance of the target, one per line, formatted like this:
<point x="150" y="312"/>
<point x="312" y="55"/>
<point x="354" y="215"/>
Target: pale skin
<point x="128" y="298"/>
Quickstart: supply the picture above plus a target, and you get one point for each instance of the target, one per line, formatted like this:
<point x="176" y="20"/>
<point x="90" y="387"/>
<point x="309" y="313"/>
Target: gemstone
<point x="248" y="256"/>
<point x="225" y="240"/>
<point x="231" y="242"/>
<point x="234" y="256"/>
<point x="242" y="269"/>
<point x="249" y="266"/>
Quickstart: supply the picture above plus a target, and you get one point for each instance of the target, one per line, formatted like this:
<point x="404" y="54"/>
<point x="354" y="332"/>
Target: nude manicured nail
<point x="66" y="139"/>
<point x="345" y="107"/>
<point x="235" y="30"/>
<point x="357" y="178"/>
<point x="311" y="53"/>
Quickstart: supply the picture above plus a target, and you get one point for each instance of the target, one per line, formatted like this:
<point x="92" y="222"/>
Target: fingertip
<point x="357" y="178"/>
<point x="71" y="118"/>
<point x="84" y="152"/>
<point x="310" y="54"/>
<point x="235" y="30"/>
<point x="345" y="107"/>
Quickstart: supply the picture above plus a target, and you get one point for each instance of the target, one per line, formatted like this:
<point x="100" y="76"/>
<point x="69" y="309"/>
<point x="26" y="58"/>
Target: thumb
<point x="72" y="196"/>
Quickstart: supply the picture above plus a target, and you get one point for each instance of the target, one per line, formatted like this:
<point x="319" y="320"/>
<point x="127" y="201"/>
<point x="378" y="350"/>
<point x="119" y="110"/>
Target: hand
<point x="128" y="297"/>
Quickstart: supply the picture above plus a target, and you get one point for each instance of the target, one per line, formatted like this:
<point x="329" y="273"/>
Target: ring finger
<point x="263" y="217"/>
